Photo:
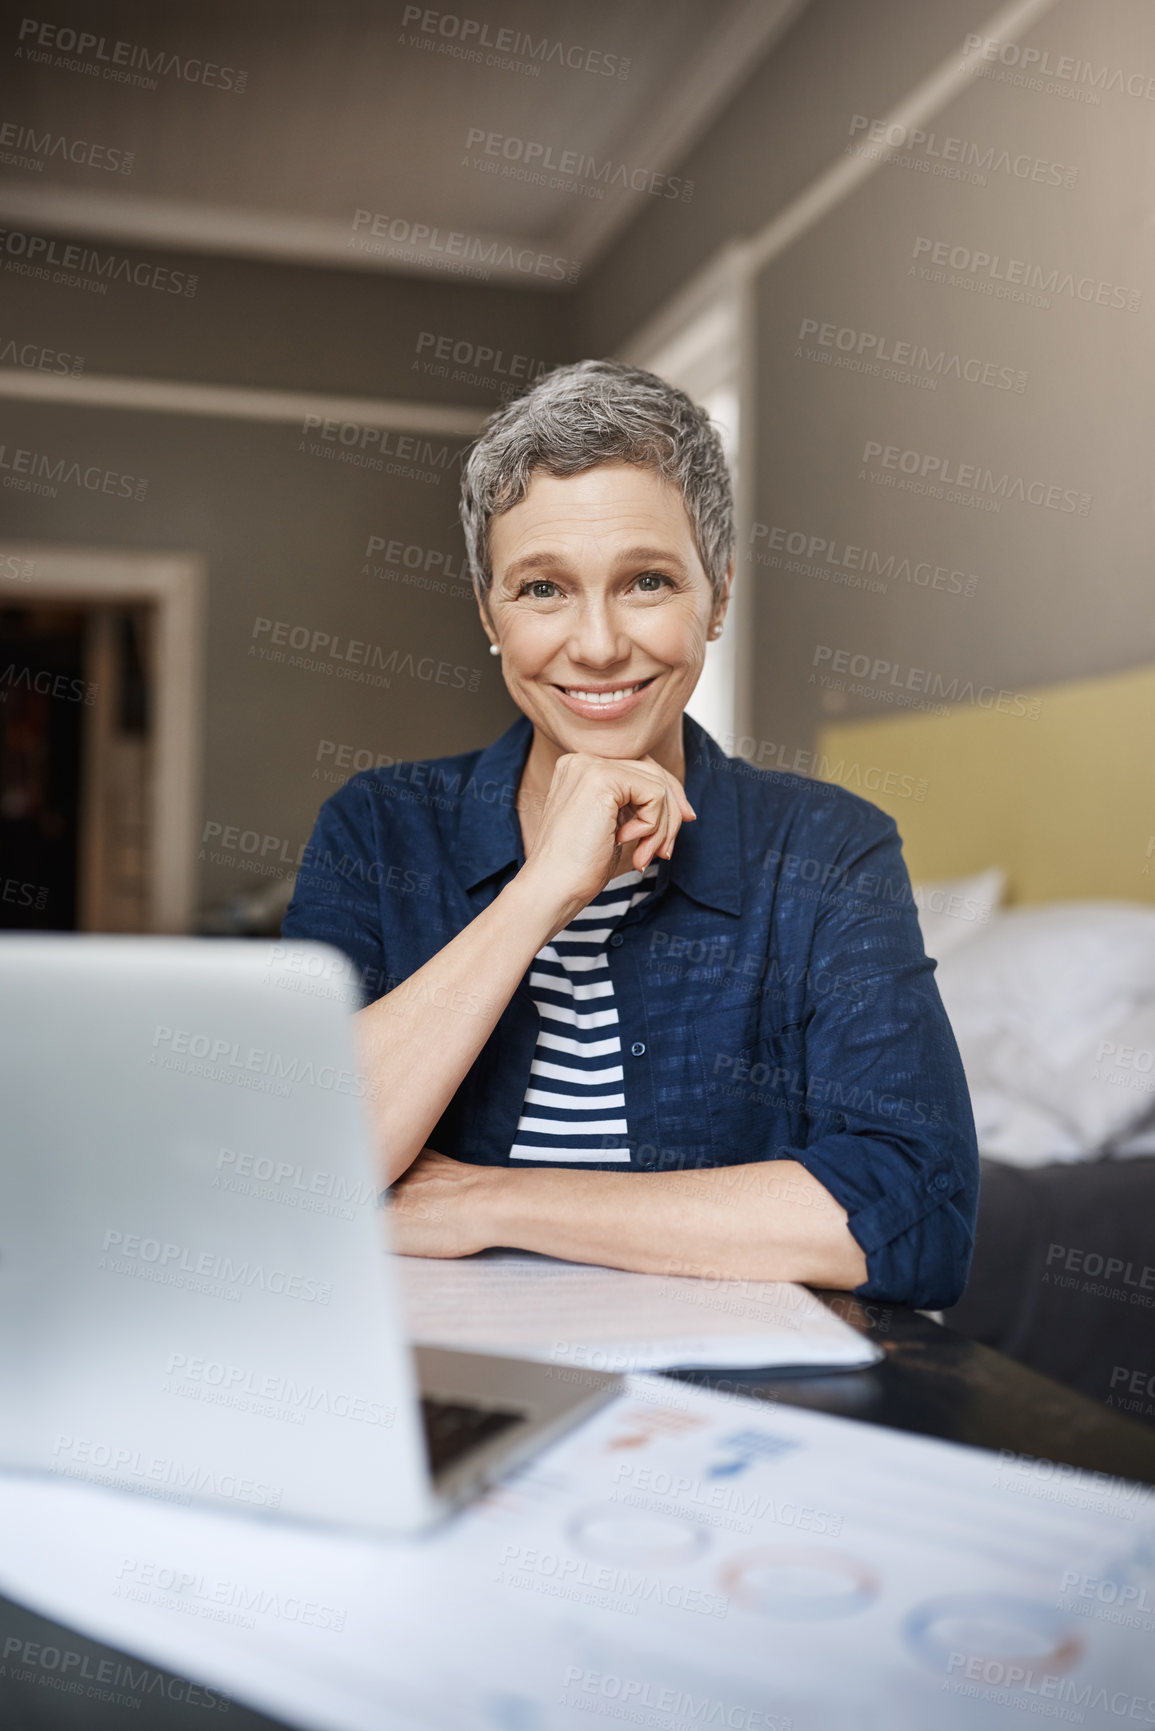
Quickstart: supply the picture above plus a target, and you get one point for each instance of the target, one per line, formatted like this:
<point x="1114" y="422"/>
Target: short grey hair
<point x="576" y="417"/>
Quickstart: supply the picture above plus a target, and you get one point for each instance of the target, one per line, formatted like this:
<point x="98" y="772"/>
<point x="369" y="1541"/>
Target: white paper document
<point x="682" y="1560"/>
<point x="527" y="1306"/>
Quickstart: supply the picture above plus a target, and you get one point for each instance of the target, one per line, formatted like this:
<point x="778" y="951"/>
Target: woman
<point x="656" y="1010"/>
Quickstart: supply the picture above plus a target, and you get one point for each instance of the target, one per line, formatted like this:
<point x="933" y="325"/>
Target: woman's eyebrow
<point x="532" y="562"/>
<point x="655" y="555"/>
<point x="545" y="561"/>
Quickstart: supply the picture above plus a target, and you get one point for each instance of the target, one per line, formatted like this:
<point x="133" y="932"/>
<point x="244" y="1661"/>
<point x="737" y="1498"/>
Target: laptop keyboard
<point x="452" y="1428"/>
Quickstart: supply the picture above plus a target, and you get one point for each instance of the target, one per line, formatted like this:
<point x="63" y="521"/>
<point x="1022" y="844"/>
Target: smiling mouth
<point x="606" y="699"/>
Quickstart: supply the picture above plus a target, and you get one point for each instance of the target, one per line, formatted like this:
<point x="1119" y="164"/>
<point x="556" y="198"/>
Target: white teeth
<point x="603" y="698"/>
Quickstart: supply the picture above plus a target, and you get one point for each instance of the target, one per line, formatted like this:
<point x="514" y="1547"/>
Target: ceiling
<point x="360" y="106"/>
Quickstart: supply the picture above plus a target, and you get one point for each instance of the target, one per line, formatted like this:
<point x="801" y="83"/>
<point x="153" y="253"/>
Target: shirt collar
<point x="706" y="862"/>
<point x="488" y="833"/>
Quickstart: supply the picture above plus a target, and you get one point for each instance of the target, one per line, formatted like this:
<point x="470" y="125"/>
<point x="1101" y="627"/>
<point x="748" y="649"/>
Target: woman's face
<point x="598" y="589"/>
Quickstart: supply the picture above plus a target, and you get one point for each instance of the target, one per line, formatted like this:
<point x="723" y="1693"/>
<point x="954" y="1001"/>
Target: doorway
<point x="100" y="729"/>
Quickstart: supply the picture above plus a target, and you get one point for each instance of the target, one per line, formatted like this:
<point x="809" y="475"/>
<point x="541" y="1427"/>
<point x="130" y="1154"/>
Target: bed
<point x="1028" y="825"/>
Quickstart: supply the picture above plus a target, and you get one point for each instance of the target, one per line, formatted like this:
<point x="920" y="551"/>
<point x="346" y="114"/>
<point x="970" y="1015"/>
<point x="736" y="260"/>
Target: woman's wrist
<point x="538" y="906"/>
<point x="489" y="1204"/>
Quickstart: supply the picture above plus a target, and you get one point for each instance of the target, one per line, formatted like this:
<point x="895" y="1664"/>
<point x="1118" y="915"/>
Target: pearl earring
<point x="495" y="649"/>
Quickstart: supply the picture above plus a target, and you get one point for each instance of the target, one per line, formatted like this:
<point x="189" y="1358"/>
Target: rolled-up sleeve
<point x="336" y="897"/>
<point x="892" y="1134"/>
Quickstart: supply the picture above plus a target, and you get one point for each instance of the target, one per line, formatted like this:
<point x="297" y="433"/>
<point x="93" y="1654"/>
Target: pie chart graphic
<point x="799" y="1582"/>
<point x="635" y="1536"/>
<point x="997" y="1634"/>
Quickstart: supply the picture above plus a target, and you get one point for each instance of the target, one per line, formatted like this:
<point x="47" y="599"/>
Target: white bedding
<point x="1053" y="1008"/>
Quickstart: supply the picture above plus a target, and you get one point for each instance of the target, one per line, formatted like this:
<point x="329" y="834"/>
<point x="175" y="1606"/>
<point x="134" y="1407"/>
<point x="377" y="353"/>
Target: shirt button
<point x="645" y="1160"/>
<point x="942" y="1182"/>
<point x="638" y="1048"/>
<point x="617" y="941"/>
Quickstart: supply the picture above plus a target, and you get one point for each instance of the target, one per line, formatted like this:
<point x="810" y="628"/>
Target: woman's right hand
<point x="595" y="808"/>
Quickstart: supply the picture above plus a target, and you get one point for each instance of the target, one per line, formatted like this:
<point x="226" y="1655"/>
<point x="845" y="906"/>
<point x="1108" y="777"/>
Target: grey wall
<point x="284" y="531"/>
<point x="1056" y="593"/>
<point x="247" y="323"/>
<point x="784" y="126"/>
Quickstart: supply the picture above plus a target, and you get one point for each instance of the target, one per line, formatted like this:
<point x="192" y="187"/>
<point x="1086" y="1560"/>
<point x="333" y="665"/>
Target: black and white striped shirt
<point x="574" y="1107"/>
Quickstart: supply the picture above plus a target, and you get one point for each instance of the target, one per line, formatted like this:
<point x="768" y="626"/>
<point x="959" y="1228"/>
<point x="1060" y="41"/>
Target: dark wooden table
<point x="936" y="1382"/>
<point x="932" y="1381"/>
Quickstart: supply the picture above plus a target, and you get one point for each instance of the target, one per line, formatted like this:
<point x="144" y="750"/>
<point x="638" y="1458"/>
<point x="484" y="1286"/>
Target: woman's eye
<point x="545" y="589"/>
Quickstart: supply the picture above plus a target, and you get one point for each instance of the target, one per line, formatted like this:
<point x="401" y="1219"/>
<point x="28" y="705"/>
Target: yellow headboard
<point x="1065" y="802"/>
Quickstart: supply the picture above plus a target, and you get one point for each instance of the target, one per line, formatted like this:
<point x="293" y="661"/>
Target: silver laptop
<point x="199" y="1299"/>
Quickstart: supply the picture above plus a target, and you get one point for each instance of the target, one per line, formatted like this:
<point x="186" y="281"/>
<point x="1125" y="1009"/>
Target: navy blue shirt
<point x="775" y="999"/>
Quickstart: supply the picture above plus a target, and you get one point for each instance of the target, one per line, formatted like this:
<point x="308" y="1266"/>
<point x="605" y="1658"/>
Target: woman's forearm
<point x="418" y="1041"/>
<point x="767" y="1221"/>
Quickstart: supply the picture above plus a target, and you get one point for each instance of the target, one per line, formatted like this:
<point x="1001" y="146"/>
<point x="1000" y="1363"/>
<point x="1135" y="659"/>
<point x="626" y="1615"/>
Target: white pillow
<point x="1058" y="977"/>
<point x="1020" y="1134"/>
<point x="1104" y="1091"/>
<point x="1054" y="1012"/>
<point x="1137" y="1144"/>
<point x="951" y="910"/>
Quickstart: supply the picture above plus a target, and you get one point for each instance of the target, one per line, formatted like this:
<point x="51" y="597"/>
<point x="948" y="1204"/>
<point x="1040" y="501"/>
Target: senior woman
<point x="657" y="1010"/>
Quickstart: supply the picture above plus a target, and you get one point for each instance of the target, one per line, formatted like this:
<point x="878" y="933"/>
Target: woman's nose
<point x="597" y="638"/>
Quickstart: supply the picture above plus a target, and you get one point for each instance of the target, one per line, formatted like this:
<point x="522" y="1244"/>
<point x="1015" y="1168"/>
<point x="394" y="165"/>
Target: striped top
<point x="575" y="1107"/>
